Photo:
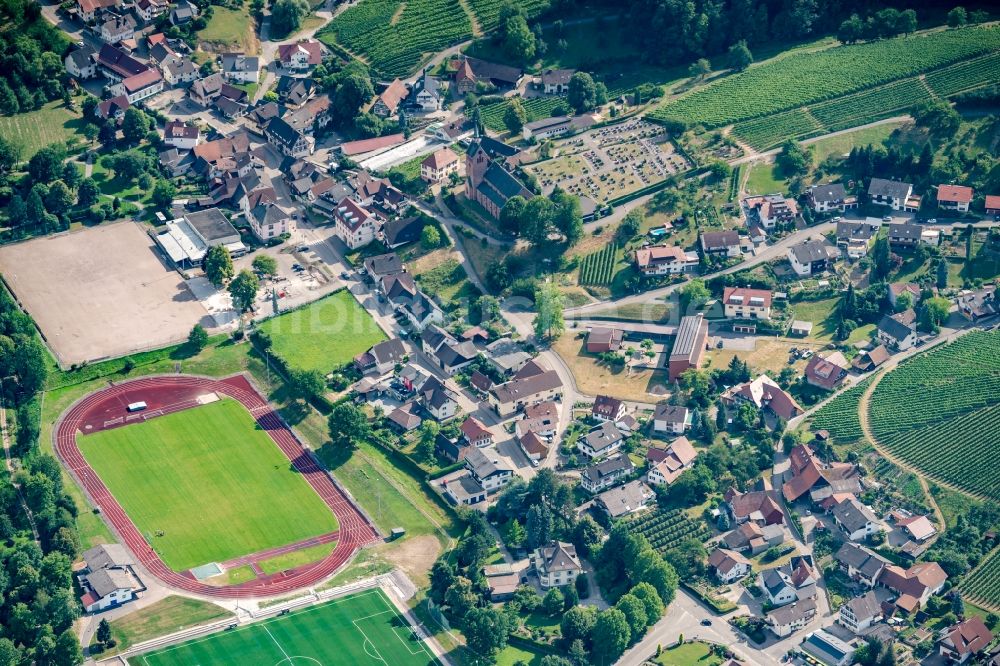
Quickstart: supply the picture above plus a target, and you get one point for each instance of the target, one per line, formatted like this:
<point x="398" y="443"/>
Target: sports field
<point x="323" y="335"/>
<point x="360" y="629"/>
<point x="210" y="480"/>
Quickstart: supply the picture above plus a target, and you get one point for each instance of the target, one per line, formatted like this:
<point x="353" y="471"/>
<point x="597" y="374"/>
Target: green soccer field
<point x="215" y="484"/>
<point x="362" y="629"/>
<point x="324" y="334"/>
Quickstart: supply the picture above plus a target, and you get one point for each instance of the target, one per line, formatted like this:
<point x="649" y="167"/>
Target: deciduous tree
<point x="243" y="289"/>
<point x="218" y="265"/>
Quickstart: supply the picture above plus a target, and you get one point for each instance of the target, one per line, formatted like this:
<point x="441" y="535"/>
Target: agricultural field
<point x="940" y="410"/>
<point x="965" y="76"/>
<point x="362" y="628"/>
<point x="598" y="269"/>
<point x="666" y="529"/>
<point x="535" y="108"/>
<point x="983" y="584"/>
<point x="324" y="334"/>
<point x="209" y="483"/>
<point x="809" y="78"/>
<point x="840" y="415"/>
<point x="53" y="123"/>
<point x="762" y="133"/>
<point x="394" y="37"/>
<point x="488" y="11"/>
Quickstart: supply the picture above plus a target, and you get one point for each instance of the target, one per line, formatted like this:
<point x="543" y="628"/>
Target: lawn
<point x="296" y="558"/>
<point x="821" y="313"/>
<point x="230" y="28"/>
<point x="841" y="145"/>
<point x="688" y="654"/>
<point x="763" y="179"/>
<point x="53" y="123"/>
<point x="208" y="479"/>
<point x="596" y="378"/>
<point x="166" y="616"/>
<point x="324" y="334"/>
<point x="770" y="354"/>
<point x="363" y="628"/>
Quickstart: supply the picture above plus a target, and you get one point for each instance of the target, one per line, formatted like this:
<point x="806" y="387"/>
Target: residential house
<point x="439" y="165"/>
<point x="117" y="28"/>
<point x="541" y="418"/>
<point x="475" y="432"/>
<point x="871" y="359"/>
<point x="177" y="70"/>
<point x="454" y="449"/>
<point x="897" y="289"/>
<point x="626" y="499"/>
<point x="488" y="469"/>
<point x="180" y="135"/>
<point x="759" y="507"/>
<point x="689" y="346"/>
<point x="825" y="648"/>
<point x="665" y="260"/>
<point x="965" y="639"/>
<point x="897" y="332"/>
<point x="978" y="303"/>
<point x="472" y="72"/>
<point x="300" y="56"/>
<point x="830" y="197"/>
<point x="240" y="67"/>
<point x="954" y="197"/>
<point x="905" y="236"/>
<point x="109" y="579"/>
<point x="826" y="371"/>
<point x="387" y="103"/>
<point x="88" y="10"/>
<point x="665" y="465"/>
<point x="533" y="383"/>
<point x="150" y="9"/>
<point x="891" y="193"/>
<point x="535" y="447"/>
<point x="401" y="230"/>
<point x="438" y="399"/>
<point x="606" y="408"/>
<point x="788" y="619"/>
<point x="721" y="243"/>
<point x="811" y="257"/>
<point x="728" y="566"/>
<point x="754" y="538"/>
<point x="913" y="586"/>
<point x="857" y="237"/>
<point x="604" y="474"/>
<point x="81" y="63"/>
<point x="452" y="355"/>
<point x="355" y="226"/>
<point x="810" y="475"/>
<point x="602" y="339"/>
<point x="204" y="91"/>
<point x="488" y="181"/>
<point x="382" y="357"/>
<point x="992" y="203"/>
<point x="556" y="81"/>
<point x="183" y="12"/>
<point x="746" y="303"/>
<point x="856" y="519"/>
<point x="268" y="220"/>
<point x="765" y="394"/>
<point x="795" y="581"/>
<point x="602" y="440"/>
<point x="770" y="210"/>
<point x="427" y="94"/>
<point x="293" y="91"/>
<point x="464" y="490"/>
<point x="556" y="564"/>
<point x="502" y="584"/>
<point x="140" y="86"/>
<point x="860" y="613"/>
<point x="379" y="266"/>
<point x="671" y="418"/>
<point x="289" y="140"/>
<point x="861" y="564"/>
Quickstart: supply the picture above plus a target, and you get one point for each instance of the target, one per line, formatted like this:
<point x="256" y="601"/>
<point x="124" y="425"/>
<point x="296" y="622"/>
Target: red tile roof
<point x="747" y="294"/>
<point x="993" y="201"/>
<point x="954" y="193"/>
<point x="368" y="145"/>
<point x="440" y="158"/>
<point x="969" y="636"/>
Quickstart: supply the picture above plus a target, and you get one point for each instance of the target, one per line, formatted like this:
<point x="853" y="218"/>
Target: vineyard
<point x="809" y="78"/>
<point x="395" y="36"/>
<point x="941" y="410"/>
<point x="965" y="76"/>
<point x="840" y="415"/>
<point x="666" y="529"/>
<point x="488" y="11"/>
<point x="982" y="586"/>
<point x="535" y="109"/>
<point x="762" y="133"/>
<point x="598" y="269"/>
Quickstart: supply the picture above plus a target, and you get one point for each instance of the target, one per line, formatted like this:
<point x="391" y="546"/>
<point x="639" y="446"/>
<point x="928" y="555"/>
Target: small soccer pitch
<point x="207" y="484"/>
<point x="361" y="629"/>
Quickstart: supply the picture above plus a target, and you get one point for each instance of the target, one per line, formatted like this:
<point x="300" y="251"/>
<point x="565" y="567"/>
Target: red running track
<point x="174" y="392"/>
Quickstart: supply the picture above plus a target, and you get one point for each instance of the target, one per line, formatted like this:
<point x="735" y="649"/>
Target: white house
<point x="859" y="613"/>
<point x="240" y="67"/>
<point x="665" y="465"/>
<point x="831" y="197"/>
<point x="728" y="565"/>
<point x="81" y="63"/>
<point x="891" y="193"/>
<point x="556" y="564"/>
<point x="810" y="257"/>
<point x="671" y="418"/>
<point x="180" y="135"/>
<point x="439" y="165"/>
<point x="354" y="225"/>
<point x="665" y="260"/>
<point x="788" y="619"/>
<point x="603" y="440"/>
<point x="896" y="333"/>
<point x="488" y="469"/>
<point x="856" y="519"/>
<point x="746" y="303"/>
<point x="954" y="197"/>
<point x="961" y="641"/>
<point x="139" y="87"/>
<point x="109" y="579"/>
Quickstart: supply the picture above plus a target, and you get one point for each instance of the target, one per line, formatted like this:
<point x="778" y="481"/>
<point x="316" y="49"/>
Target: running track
<point x="355" y="531"/>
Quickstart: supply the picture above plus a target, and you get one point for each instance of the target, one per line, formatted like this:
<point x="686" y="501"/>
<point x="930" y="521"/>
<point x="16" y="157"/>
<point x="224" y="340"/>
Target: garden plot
<point x="610" y="162"/>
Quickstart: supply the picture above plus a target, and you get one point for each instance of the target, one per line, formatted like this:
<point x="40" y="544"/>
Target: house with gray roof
<point x="860" y="563"/>
<point x="895" y="333"/>
<point x="811" y="257"/>
<point x="488" y="469"/>
<point x="891" y="193"/>
<point x="240" y="67"/>
<point x="786" y="620"/>
<point x="556" y="564"/>
<point x="606" y="473"/>
<point x="856" y="519"/>
<point x="630" y="498"/>
<point x="860" y="613"/>
<point x="602" y="440"/>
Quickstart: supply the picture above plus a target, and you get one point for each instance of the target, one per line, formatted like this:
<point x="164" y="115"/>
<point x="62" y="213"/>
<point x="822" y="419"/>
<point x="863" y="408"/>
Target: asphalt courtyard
<point x="100" y="292"/>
